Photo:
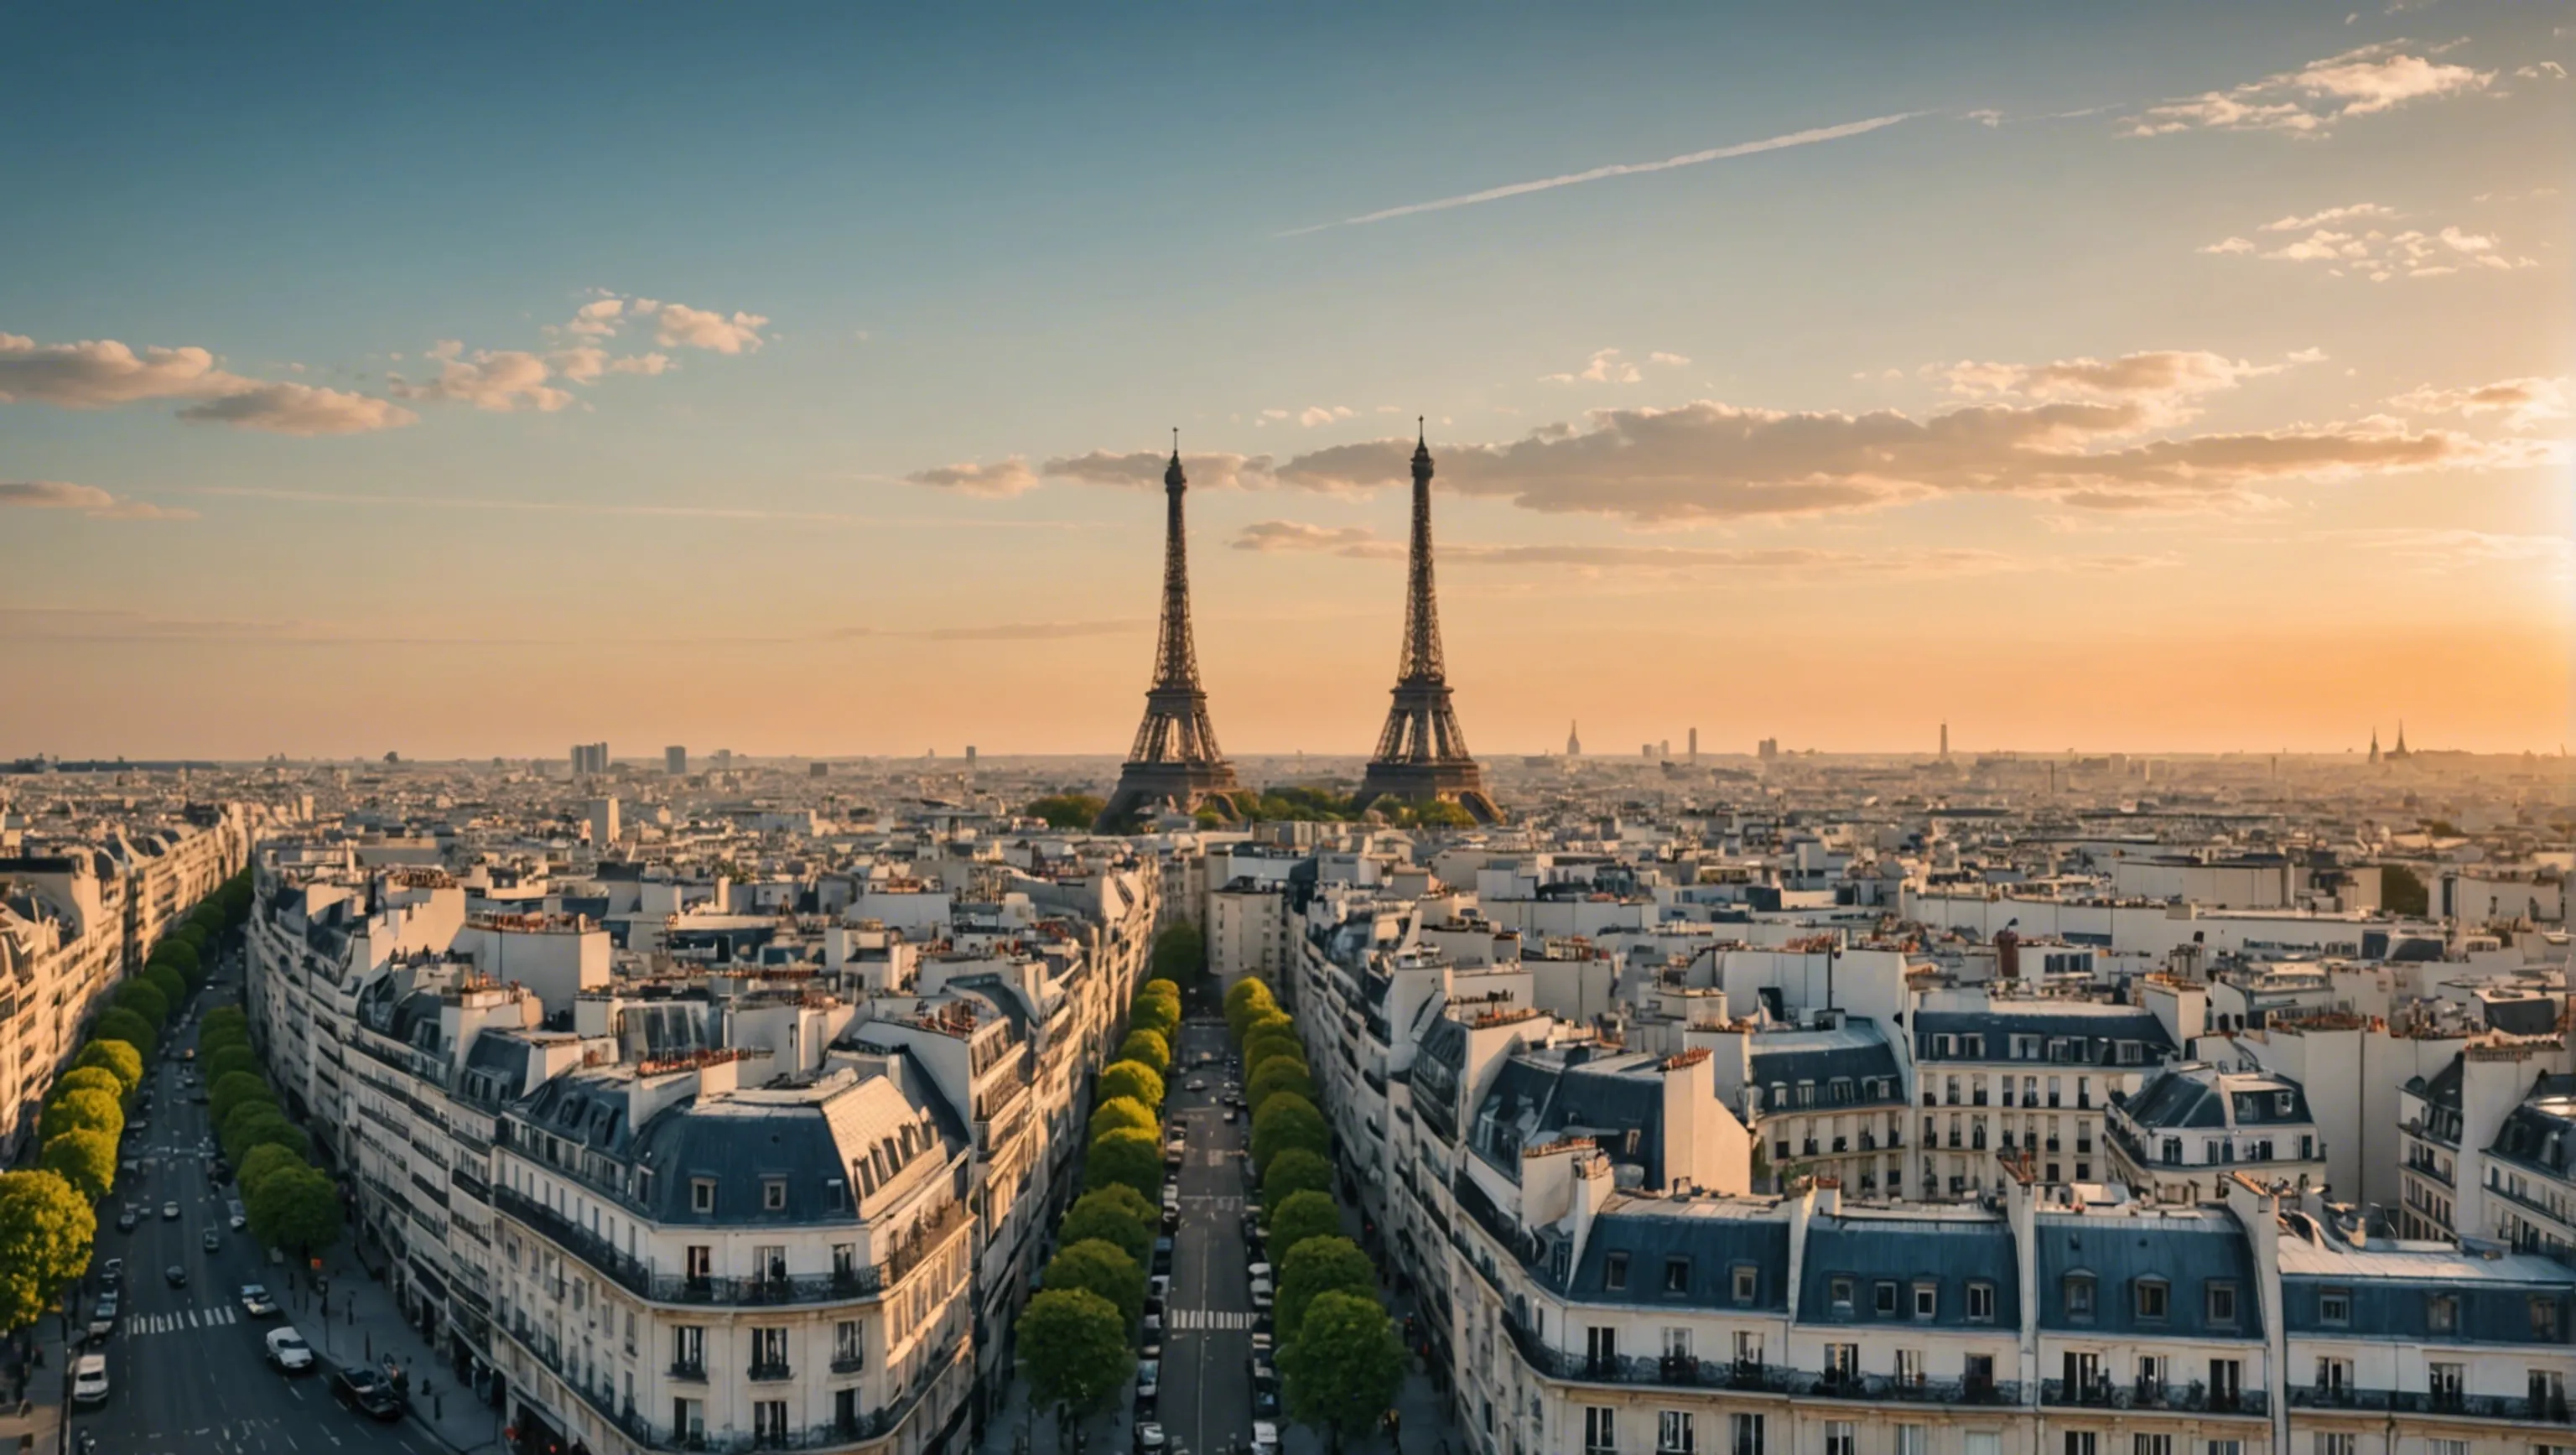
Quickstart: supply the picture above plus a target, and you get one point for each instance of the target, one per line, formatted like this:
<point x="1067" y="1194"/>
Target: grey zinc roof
<point x="1857" y="1053"/>
<point x="1536" y="1099"/>
<point x="2096" y="1025"/>
<point x="1704" y="1241"/>
<point x="1948" y="1252"/>
<point x="2189" y="1252"/>
<point x="2184" y="1098"/>
<point x="812" y="1146"/>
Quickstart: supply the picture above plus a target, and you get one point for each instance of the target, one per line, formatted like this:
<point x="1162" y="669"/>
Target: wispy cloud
<point x="103" y="373"/>
<point x="2311" y="99"/>
<point x="2341" y="240"/>
<point x="89" y="500"/>
<point x="1616" y="169"/>
<point x="2521" y="403"/>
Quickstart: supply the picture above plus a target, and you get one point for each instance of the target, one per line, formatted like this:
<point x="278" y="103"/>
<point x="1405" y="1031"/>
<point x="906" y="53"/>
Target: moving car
<point x="287" y="1352"/>
<point x="367" y="1392"/>
<point x="1195" y="1083"/>
<point x="256" y="1302"/>
<point x="1229" y="1114"/>
<point x="1150" y="1439"/>
<point x="112" y="1272"/>
<point x="213" y="1240"/>
<point x="169" y="1212"/>
<point x="102" y="1319"/>
<point x="176" y="1274"/>
<point x="89" y="1379"/>
<point x="235" y="1217"/>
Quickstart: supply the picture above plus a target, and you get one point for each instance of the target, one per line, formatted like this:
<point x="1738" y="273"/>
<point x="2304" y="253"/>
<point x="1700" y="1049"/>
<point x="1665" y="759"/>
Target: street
<point x="1207" y="1342"/>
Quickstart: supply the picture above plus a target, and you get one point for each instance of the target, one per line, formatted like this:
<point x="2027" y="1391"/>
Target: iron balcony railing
<point x="2550" y="1411"/>
<point x="645" y="1281"/>
<point x="1749" y="1376"/>
<point x="2192" y="1397"/>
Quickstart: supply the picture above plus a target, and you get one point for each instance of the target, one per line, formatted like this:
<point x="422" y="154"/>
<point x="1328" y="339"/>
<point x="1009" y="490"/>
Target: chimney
<point x="717" y="1077"/>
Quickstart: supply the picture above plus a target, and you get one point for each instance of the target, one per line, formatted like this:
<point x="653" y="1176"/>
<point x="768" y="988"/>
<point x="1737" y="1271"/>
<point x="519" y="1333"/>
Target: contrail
<point x="1620" y="169"/>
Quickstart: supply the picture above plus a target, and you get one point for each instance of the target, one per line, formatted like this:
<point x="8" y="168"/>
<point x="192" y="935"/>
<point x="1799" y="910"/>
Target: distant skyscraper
<point x="1573" y="742"/>
<point x="970" y="755"/>
<point x="675" y="761"/>
<point x="603" y="822"/>
<point x="589" y="759"/>
<point x="1945" y="742"/>
<point x="1174" y="761"/>
<point x="1422" y="753"/>
<point x="1694" y="747"/>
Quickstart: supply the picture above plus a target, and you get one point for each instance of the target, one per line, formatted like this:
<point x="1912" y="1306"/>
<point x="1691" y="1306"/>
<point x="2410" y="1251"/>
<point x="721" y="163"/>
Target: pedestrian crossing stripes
<point x="137" y="1325"/>
<point x="1186" y="1319"/>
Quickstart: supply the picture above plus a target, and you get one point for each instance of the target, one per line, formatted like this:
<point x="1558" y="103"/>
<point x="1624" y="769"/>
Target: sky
<point x="467" y="381"/>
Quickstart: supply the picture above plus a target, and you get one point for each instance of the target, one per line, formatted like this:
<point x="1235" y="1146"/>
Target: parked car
<point x="1150" y="1439"/>
<point x="1261" y="1293"/>
<point x="1229" y="1116"/>
<point x="102" y="1319"/>
<point x="256" y="1302"/>
<point x="1265" y="1438"/>
<point x="235" y="1217"/>
<point x="1149" y="1385"/>
<point x="1195" y="1083"/>
<point x="169" y="1212"/>
<point x="112" y="1272"/>
<point x="1259" y="1272"/>
<point x="287" y="1352"/>
<point x="1163" y="1255"/>
<point x="89" y="1379"/>
<point x="367" y="1392"/>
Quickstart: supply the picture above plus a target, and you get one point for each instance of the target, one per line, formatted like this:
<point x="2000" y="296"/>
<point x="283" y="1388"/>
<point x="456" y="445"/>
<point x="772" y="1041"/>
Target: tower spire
<point x="1422" y="753"/>
<point x="1175" y="759"/>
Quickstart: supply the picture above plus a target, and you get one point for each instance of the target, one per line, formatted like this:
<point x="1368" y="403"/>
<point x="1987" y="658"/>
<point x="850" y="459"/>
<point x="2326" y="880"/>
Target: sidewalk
<point x="40" y="1428"/>
<point x="363" y="1326"/>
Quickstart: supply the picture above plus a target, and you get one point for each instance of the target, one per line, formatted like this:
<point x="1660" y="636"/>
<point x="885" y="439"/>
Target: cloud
<point x="1620" y="169"/>
<point x="1710" y="461"/>
<point x="502" y="381"/>
<point x="1359" y="543"/>
<point x="2311" y="99"/>
<point x="680" y="326"/>
<point x="1672" y="361"/>
<point x="1316" y="414"/>
<point x="2375" y="253"/>
<point x="2331" y="214"/>
<point x="2544" y="70"/>
<point x="299" y="409"/>
<point x="89" y="500"/>
<point x="102" y="373"/>
<point x="2522" y="402"/>
<point x="2160" y="375"/>
<point x="1142" y="469"/>
<point x="585" y="363"/>
<point x="1606" y="367"/>
<point x="2441" y="552"/>
<point x="2228" y="245"/>
<point x="1003" y="478"/>
<point x="597" y="318"/>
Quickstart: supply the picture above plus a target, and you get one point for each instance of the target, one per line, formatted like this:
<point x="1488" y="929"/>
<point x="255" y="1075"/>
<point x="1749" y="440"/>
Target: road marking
<point x="1209" y="1319"/>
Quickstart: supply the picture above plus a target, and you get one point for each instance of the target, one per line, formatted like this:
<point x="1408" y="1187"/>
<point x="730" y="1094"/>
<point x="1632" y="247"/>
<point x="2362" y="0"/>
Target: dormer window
<point x="2282" y="1103"/>
<point x="2154" y="1297"/>
<point x="1677" y="1275"/>
<point x="1614" y="1271"/>
<point x="702" y="1194"/>
<point x="2077" y="1290"/>
<point x="2222" y="1302"/>
<point x="773" y="1194"/>
<point x="2334" y="1306"/>
<point x="1842" y="1295"/>
<point x="1747" y="1284"/>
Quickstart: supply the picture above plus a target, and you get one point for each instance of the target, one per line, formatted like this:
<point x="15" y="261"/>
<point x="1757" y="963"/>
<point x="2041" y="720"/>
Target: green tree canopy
<point x="1270" y="1044"/>
<point x="223" y="1038"/>
<point x="266" y="1158"/>
<point x="1071" y="811"/>
<point x="1317" y="1266"/>
<point x="1248" y="998"/>
<point x="1292" y="1172"/>
<point x="117" y="1059"/>
<point x="143" y="998"/>
<point x="89" y="1078"/>
<point x="1104" y="1268"/>
<point x="2402" y="891"/>
<point x="232" y="1016"/>
<point x="1145" y="1013"/>
<point x="1344" y="1366"/>
<point x="255" y="1124"/>
<point x="1124" y="1111"/>
<point x="1147" y="1048"/>
<point x="233" y="1089"/>
<point x="296" y="1208"/>
<point x="1266" y="1018"/>
<point x="1076" y="1348"/>
<point x="1126" y="1156"/>
<point x="1094" y="1219"/>
<point x="1301" y="1215"/>
<point x="120" y="1024"/>
<point x="1180" y="953"/>
<point x="1287" y="1122"/>
<point x="85" y="1159"/>
<point x="174" y="989"/>
<point x="81" y="1111"/>
<point x="230" y="1060"/>
<point x="180" y="956"/>
<point x="1161" y="986"/>
<point x="1279" y="1073"/>
<point x="1133" y="1080"/>
<point x="46" y="1231"/>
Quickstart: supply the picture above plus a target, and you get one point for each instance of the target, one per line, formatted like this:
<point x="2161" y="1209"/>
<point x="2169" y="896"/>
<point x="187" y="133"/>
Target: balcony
<point x="849" y="1364"/>
<point x="693" y="1371"/>
<point x="2192" y="1398"/>
<point x="760" y="1373"/>
<point x="2423" y="1402"/>
<point x="642" y="1280"/>
<point x="1749" y="1376"/>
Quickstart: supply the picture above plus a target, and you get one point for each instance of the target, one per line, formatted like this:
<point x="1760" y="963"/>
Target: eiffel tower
<point x="1422" y="753"/>
<point x="1175" y="761"/>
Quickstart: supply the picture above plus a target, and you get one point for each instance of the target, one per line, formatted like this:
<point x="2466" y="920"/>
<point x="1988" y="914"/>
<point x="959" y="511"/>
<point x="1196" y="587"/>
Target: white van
<point x="89" y="1379"/>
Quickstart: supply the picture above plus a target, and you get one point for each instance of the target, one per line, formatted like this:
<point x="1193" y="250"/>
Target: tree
<point x="89" y="1078"/>
<point x="1127" y="1157"/>
<point x="230" y="1061"/>
<point x="296" y="1208"/>
<point x="1279" y="1073"/>
<point x="1180" y="954"/>
<point x="85" y="1159"/>
<point x="210" y="1042"/>
<point x="1146" y="1048"/>
<point x="1344" y="1366"/>
<point x="124" y="1025"/>
<point x="255" y="1123"/>
<point x="1076" y="1347"/>
<point x="231" y="1017"/>
<point x="1265" y="1019"/>
<point x="1318" y="1266"/>
<point x="1161" y="986"/>
<point x="76" y="1111"/>
<point x="173" y="988"/>
<point x="1270" y="1044"/>
<point x="1152" y="1013"/>
<point x="231" y="1090"/>
<point x="264" y="1159"/>
<point x="1093" y="1218"/>
<point x="2401" y="891"/>
<point x="117" y="1059"/>
<point x="1123" y="1111"/>
<point x="1299" y="1216"/>
<point x="1073" y="811"/>
<point x="180" y="956"/>
<point x="142" y="998"/>
<point x="1286" y="1123"/>
<point x="1104" y="1268"/>
<point x="1248" y="997"/>
<point x="46" y="1231"/>
<point x="1292" y="1172"/>
<point x="1133" y="1080"/>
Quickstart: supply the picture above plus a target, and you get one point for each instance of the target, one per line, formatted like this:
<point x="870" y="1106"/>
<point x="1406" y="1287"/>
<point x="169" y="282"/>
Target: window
<point x="2544" y="1319"/>
<point x="1601" y="1346"/>
<point x="702" y="1194"/>
<point x="2337" y="1444"/>
<point x="2444" y="1382"/>
<point x="2222" y="1301"/>
<point x="773" y="1194"/>
<point x="688" y="1347"/>
<point x="1983" y="1442"/>
<point x="700" y="1262"/>
<point x="1614" y="1271"/>
<point x="2083" y="1442"/>
<point x="2151" y="1293"/>
<point x="1746" y="1435"/>
<point x="1842" y="1362"/>
<point x="689" y="1417"/>
<point x="1842" y="1295"/>
<point x="769" y="1421"/>
<point x="2078" y="1292"/>
<point x="1747" y="1281"/>
<point x="1910" y="1440"/>
<point x="1909" y="1366"/>
<point x="2333" y="1373"/>
<point x="770" y="1262"/>
<point x="1748" y="1347"/>
<point x="848" y="1353"/>
<point x="1927" y="1300"/>
<point x="1887" y="1300"/>
<point x="2151" y="1445"/>
<point x="2152" y="1369"/>
<point x="1677" y="1344"/>
<point x="1840" y="1439"/>
<point x="630" y="1331"/>
<point x="2441" y="1312"/>
<point x="768" y="1351"/>
<point x="1677" y="1275"/>
<point x="1673" y="1432"/>
<point x="2223" y="1447"/>
<point x="1981" y="1303"/>
<point x="1600" y="1430"/>
<point x="2446" y="1447"/>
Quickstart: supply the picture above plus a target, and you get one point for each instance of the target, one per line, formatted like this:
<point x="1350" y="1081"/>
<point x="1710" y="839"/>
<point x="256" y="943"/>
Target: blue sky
<point x="901" y="243"/>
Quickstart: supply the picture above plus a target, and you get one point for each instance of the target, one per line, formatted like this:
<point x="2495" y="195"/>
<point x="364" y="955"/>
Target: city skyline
<point x="2175" y="379"/>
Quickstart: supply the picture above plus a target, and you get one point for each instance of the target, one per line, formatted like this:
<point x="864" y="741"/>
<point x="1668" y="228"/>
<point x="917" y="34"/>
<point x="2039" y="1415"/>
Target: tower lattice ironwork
<point x="1422" y="753"/>
<point x="1174" y="761"/>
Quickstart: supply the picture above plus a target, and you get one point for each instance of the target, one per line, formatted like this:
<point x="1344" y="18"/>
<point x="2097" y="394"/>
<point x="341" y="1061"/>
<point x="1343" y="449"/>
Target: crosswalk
<point x="138" y="1325"/>
<point x="1186" y="1319"/>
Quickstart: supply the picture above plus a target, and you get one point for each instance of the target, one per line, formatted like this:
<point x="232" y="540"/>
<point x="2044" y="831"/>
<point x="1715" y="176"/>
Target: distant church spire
<point x="2374" y="744"/>
<point x="1573" y="741"/>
